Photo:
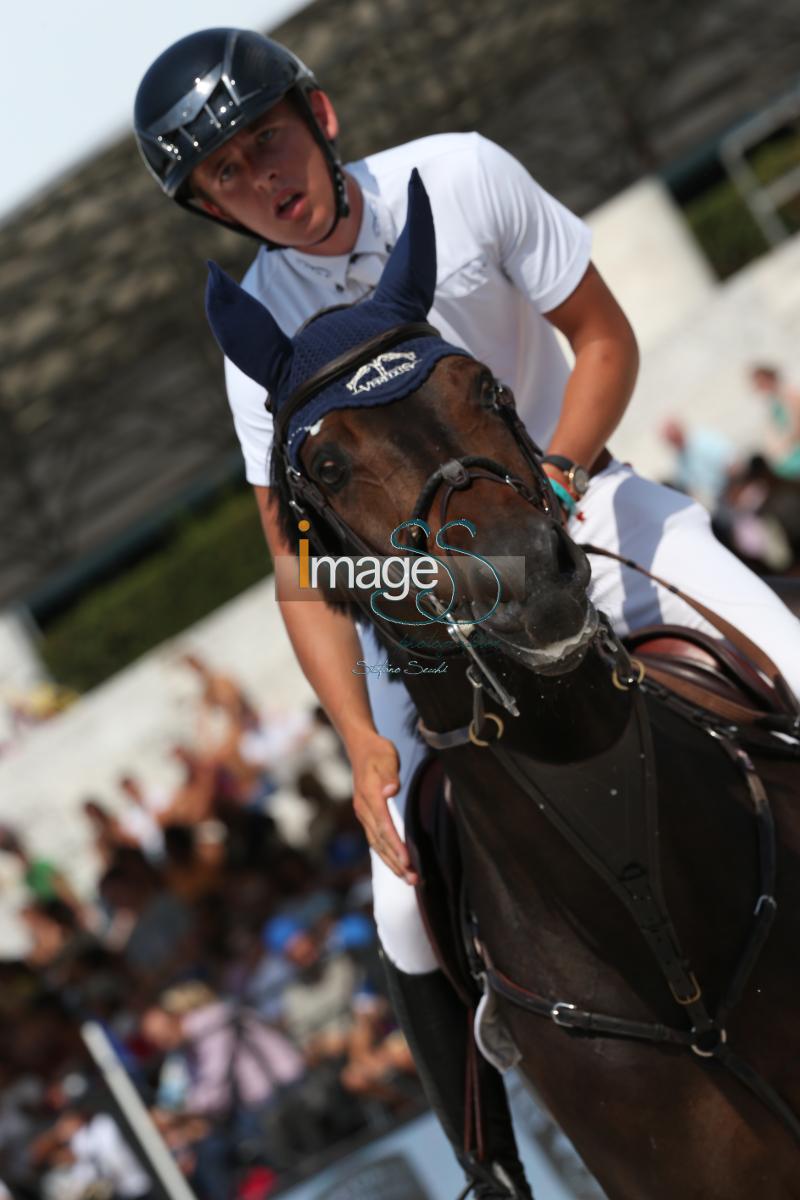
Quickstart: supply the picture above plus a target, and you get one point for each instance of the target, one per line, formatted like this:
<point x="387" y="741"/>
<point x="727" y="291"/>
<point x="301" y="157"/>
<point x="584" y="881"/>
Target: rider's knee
<point x="400" y="928"/>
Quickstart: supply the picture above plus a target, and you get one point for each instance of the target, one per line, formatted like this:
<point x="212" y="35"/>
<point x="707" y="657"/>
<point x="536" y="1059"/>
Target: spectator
<point x="194" y="858"/>
<point x="237" y="1071"/>
<point x="152" y="928"/>
<point x="52" y="926"/>
<point x="703" y="461"/>
<point x="783" y="445"/>
<point x="317" y="1003"/>
<point x="142" y="818"/>
<point x="237" y="779"/>
<point x="84" y="1154"/>
<point x="221" y="692"/>
<point x="41" y="875"/>
<point x="105" y="829"/>
<point x="194" y="798"/>
<point x="235" y="1058"/>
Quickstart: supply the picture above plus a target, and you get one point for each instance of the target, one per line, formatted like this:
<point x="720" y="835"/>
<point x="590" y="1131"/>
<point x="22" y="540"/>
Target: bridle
<point x="457" y="474"/>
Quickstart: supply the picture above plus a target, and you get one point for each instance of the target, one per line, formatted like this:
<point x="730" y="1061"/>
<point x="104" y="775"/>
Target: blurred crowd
<point x="229" y="954"/>
<point x="234" y="970"/>
<point x="754" y="498"/>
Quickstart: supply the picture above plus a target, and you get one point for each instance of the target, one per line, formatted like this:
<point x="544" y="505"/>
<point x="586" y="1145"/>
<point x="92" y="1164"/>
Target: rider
<point x="235" y="128"/>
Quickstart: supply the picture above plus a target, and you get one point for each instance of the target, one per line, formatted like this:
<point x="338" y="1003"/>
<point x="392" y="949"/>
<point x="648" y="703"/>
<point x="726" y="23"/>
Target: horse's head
<point x="441" y="441"/>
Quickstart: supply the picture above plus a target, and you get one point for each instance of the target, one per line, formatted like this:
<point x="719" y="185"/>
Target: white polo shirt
<point x="506" y="251"/>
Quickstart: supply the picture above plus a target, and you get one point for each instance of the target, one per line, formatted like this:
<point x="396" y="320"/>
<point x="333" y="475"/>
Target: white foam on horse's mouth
<point x="556" y="653"/>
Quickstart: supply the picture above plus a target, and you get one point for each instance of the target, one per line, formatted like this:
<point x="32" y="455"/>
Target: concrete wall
<point x="697" y="370"/>
<point x="644" y="250"/>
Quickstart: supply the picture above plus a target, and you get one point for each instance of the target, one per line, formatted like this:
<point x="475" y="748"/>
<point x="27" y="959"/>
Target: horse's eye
<point x="495" y="395"/>
<point x="330" y="469"/>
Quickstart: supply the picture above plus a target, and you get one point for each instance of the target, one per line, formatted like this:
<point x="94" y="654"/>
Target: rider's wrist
<point x="354" y="734"/>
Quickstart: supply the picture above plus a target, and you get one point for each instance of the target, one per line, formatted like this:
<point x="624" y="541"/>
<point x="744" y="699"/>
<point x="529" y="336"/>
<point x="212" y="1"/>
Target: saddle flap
<point x="432" y="842"/>
<point x="706" y="671"/>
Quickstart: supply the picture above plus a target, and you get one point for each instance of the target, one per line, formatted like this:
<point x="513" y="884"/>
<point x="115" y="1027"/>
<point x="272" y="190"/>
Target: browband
<point x="345" y="362"/>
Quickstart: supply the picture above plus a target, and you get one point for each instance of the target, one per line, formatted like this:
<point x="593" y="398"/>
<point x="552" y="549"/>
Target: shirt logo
<point x="381" y="370"/>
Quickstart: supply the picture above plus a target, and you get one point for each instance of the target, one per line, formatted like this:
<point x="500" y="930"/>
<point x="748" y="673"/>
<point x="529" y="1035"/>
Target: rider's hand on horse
<point x="375" y="762"/>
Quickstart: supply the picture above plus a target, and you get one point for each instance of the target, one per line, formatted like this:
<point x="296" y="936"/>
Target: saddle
<point x="432" y="841"/>
<point x="707" y="672"/>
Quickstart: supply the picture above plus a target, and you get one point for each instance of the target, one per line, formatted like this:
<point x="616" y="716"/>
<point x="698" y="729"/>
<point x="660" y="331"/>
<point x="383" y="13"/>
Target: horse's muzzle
<point x="543" y="599"/>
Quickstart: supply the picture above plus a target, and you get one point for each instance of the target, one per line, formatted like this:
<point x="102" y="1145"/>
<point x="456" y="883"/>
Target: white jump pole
<point x="149" y="1142"/>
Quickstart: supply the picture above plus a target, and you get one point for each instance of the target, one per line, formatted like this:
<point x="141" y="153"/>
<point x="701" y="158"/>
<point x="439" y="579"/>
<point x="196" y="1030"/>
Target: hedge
<point x="721" y="221"/>
<point x="202" y="561"/>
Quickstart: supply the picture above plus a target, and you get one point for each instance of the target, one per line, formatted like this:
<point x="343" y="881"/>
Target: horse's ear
<point x="246" y="331"/>
<point x="409" y="278"/>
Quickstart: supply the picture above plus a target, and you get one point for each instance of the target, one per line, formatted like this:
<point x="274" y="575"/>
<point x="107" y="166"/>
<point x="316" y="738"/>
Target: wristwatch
<point x="577" y="476"/>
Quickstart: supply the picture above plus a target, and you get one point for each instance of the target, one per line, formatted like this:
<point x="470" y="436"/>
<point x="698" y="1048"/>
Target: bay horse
<point x="633" y="913"/>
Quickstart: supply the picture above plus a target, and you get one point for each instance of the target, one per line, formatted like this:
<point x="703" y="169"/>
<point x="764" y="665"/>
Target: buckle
<point x="720" y="1038"/>
<point x="558" y="1008"/>
<point x="633" y="679"/>
<point x="695" y="996"/>
<point x="473" y="733"/>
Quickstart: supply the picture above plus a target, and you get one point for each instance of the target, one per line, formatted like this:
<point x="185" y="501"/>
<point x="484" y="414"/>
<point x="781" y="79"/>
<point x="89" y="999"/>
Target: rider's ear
<point x="246" y="331"/>
<point x="409" y="279"/>
<point x="325" y="113"/>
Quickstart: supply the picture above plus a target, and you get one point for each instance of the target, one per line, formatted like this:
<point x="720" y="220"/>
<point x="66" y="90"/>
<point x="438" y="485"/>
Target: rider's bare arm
<point x="327" y="647"/>
<point x="606" y="365"/>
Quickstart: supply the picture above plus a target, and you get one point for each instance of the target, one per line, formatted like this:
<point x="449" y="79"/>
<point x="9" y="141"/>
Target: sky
<point x="71" y="70"/>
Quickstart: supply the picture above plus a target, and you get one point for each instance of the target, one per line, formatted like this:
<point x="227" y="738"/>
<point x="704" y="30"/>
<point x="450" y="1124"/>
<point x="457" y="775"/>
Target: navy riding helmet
<point x="203" y="90"/>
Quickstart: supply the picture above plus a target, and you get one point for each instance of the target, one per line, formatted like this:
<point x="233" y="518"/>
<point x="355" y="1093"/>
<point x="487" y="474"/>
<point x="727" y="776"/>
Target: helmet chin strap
<point x="341" y="203"/>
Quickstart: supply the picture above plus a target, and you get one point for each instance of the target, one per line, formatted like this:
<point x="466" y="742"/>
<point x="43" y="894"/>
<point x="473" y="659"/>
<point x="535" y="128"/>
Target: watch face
<point x="579" y="478"/>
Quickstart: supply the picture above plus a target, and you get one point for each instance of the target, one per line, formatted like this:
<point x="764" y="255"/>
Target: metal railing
<point x="764" y="199"/>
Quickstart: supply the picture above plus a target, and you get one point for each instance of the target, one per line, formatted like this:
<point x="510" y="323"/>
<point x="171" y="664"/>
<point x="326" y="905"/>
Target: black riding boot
<point x="434" y="1022"/>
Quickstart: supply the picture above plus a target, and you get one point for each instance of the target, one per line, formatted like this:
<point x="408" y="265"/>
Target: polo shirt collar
<point x="377" y="235"/>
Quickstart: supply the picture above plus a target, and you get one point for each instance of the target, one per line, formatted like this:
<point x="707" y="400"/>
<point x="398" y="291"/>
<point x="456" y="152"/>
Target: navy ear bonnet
<point x="248" y="334"/>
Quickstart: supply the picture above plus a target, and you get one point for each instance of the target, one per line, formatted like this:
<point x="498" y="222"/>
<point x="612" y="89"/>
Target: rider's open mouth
<point x="287" y="203"/>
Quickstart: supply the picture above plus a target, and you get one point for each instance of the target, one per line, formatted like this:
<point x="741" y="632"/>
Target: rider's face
<point x="272" y="176"/>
